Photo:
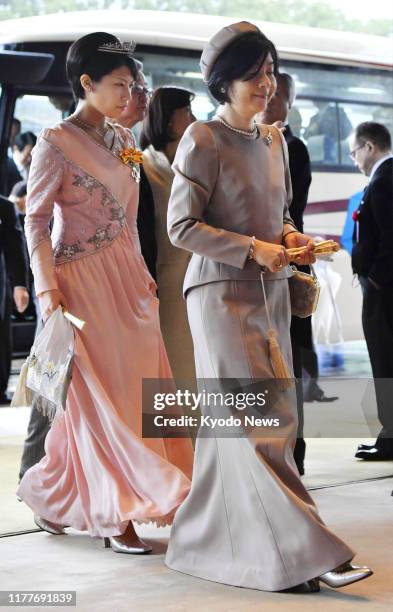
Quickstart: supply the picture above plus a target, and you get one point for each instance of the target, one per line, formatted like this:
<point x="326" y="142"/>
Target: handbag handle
<point x="312" y="270"/>
<point x="269" y="321"/>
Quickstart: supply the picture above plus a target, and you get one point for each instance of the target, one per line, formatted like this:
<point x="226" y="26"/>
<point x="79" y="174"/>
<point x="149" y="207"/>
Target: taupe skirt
<point x="248" y="520"/>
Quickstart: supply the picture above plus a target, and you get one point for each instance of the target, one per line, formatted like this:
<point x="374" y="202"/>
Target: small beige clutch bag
<point x="304" y="291"/>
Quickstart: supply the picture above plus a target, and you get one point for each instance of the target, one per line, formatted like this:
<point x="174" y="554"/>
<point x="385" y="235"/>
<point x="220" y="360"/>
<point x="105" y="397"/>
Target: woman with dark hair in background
<point x="98" y="474"/>
<point x="169" y="115"/>
<point x="248" y="520"/>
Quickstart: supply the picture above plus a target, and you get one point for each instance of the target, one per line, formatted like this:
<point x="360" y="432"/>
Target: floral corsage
<point x="132" y="158"/>
<point x="355" y="218"/>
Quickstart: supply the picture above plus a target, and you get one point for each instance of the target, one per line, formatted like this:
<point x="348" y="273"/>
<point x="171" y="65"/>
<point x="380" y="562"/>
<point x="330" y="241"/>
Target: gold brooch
<point x="132" y="158"/>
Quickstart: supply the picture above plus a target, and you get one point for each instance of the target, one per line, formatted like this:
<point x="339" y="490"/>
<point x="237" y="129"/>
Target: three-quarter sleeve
<point x="196" y="168"/>
<point x="43" y="187"/>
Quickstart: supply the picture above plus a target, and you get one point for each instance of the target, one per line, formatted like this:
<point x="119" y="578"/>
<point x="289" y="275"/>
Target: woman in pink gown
<point x="98" y="474"/>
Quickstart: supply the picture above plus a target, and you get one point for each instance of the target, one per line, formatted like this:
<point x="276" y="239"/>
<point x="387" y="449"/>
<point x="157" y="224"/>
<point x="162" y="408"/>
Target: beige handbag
<point x="46" y="374"/>
<point x="304" y="291"/>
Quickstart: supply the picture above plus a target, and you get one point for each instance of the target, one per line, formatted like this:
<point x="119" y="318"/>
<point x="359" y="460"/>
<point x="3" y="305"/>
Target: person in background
<point x="169" y="115"/>
<point x="17" y="166"/>
<point x="18" y="198"/>
<point x="132" y="115"/>
<point x="38" y="426"/>
<point x="300" y="170"/>
<point x="281" y="106"/>
<point x="372" y="261"/>
<point x="16" y="127"/>
<point x="347" y="232"/>
<point x="13" y="283"/>
<point x="22" y="149"/>
<point x="137" y="106"/>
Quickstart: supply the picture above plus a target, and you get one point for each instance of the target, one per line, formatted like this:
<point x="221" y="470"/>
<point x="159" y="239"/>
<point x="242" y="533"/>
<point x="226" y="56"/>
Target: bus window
<point x="322" y="133"/>
<point x="37" y="112"/>
<point x="341" y="83"/>
<point x="330" y="104"/>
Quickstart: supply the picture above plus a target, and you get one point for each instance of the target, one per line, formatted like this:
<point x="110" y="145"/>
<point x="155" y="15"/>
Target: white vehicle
<point x="341" y="79"/>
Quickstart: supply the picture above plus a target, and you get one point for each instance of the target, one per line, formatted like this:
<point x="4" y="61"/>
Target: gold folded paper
<point x="321" y="248"/>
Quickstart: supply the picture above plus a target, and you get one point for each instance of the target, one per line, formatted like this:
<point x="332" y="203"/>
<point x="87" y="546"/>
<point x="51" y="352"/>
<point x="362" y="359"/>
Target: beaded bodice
<point x="88" y="191"/>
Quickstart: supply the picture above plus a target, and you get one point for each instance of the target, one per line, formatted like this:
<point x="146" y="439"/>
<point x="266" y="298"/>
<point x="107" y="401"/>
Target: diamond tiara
<point x="127" y="48"/>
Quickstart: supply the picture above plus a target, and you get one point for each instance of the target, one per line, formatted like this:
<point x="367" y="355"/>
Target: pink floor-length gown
<point x="98" y="471"/>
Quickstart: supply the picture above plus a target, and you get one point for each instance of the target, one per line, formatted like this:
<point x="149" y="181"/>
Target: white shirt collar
<point x="379" y="163"/>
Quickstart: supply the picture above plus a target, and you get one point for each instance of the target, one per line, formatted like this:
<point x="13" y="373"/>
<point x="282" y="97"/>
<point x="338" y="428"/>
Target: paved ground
<point x="354" y="498"/>
<point x="361" y="513"/>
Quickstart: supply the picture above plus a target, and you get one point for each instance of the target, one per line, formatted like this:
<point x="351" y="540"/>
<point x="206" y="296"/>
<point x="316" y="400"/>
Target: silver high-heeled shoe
<point x="344" y="575"/>
<point x="48" y="526"/>
<point x="120" y="547"/>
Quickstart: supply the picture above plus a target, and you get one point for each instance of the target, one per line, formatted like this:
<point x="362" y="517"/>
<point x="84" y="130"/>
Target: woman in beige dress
<point x="168" y="117"/>
<point x="248" y="520"/>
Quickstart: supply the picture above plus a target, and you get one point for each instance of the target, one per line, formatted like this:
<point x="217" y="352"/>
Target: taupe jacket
<point x="227" y="188"/>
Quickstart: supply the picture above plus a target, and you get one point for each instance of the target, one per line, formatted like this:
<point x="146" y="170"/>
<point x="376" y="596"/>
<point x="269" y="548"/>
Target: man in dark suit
<point x="18" y="166"/>
<point x="13" y="283"/>
<point x="133" y="115"/>
<point x="303" y="351"/>
<point x="12" y="175"/>
<point x="300" y="169"/>
<point x="372" y="261"/>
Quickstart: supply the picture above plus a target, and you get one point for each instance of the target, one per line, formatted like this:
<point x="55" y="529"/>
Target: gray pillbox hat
<point x="216" y="45"/>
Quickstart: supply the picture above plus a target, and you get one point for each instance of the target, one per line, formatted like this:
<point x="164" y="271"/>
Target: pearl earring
<point x="222" y="89"/>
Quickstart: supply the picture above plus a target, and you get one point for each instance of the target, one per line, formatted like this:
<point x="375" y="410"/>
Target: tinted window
<point x="37" y="112"/>
<point x="330" y="103"/>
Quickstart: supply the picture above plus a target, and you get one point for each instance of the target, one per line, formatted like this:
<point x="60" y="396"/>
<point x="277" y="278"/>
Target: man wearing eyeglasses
<point x="372" y="261"/>
<point x="133" y="114"/>
<point x="136" y="108"/>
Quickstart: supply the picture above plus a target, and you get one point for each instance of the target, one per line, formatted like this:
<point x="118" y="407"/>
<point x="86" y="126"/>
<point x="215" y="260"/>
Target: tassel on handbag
<point x="279" y="365"/>
<point x="22" y="395"/>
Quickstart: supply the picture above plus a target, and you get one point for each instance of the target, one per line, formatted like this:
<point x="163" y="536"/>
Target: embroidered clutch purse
<point x="46" y="374"/>
<point x="304" y="290"/>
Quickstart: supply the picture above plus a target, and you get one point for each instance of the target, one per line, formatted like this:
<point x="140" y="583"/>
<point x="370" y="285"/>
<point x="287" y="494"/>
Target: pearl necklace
<point x="254" y="133"/>
<point x="250" y="133"/>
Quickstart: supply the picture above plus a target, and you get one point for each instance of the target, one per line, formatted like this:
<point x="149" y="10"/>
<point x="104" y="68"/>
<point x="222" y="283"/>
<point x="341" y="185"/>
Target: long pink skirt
<point x="98" y="472"/>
